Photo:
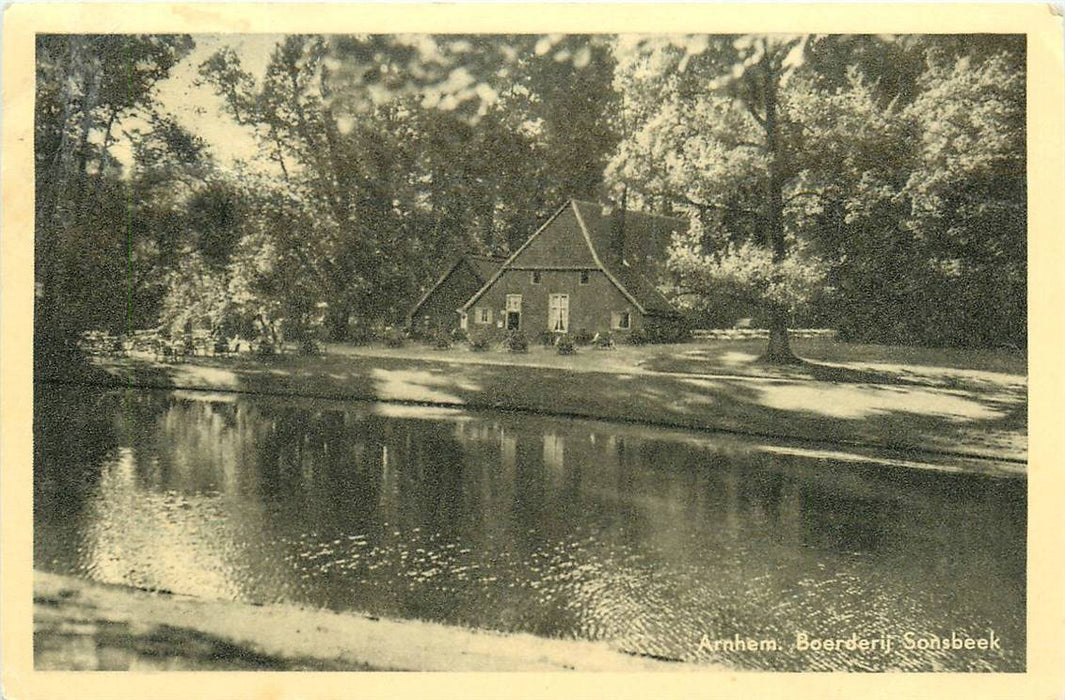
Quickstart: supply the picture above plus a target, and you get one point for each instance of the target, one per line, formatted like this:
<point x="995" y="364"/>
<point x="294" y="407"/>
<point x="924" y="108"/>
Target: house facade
<point x="435" y="310"/>
<point x="586" y="269"/>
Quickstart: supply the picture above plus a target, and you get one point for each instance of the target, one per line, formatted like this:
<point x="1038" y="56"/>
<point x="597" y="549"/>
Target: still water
<point x="657" y="542"/>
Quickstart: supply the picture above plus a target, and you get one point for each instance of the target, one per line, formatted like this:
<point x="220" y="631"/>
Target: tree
<point x="881" y="177"/>
<point x="721" y="141"/>
<point x="88" y="86"/>
<point x="967" y="198"/>
<point x="407" y="150"/>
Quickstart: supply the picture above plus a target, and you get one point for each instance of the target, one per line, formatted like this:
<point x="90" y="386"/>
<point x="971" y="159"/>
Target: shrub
<point x="565" y="346"/>
<point x="582" y="336"/>
<point x="480" y="342"/>
<point x="547" y="338"/>
<point x="668" y="330"/>
<point x="516" y="342"/>
<point x="310" y="346"/>
<point x="394" y="338"/>
<point x="440" y="340"/>
<point x="638" y="336"/>
<point x="459" y="335"/>
<point x="604" y="340"/>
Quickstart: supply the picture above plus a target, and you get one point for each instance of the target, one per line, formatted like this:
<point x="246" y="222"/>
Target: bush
<point x="638" y="336"/>
<point x="440" y="340"/>
<point x="668" y="330"/>
<point x="604" y="341"/>
<point x="480" y="342"/>
<point x="459" y="335"/>
<point x="310" y="346"/>
<point x="565" y="346"/>
<point x="516" y="342"/>
<point x="394" y="338"/>
<point x="547" y="338"/>
<point x="583" y="336"/>
<point x="265" y="348"/>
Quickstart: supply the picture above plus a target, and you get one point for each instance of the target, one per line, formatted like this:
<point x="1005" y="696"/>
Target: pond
<point x="662" y="543"/>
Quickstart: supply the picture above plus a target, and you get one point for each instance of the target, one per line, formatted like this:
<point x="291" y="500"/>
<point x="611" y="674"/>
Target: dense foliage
<point x="872" y="184"/>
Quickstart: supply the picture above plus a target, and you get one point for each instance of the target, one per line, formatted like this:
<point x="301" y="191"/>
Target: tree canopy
<point x="875" y="184"/>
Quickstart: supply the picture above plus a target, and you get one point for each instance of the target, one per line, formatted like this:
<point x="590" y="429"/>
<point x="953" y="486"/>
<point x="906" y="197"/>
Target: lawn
<point x="911" y="408"/>
<point x="825" y="360"/>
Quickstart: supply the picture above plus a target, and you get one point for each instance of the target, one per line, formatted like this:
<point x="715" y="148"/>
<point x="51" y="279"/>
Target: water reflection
<point x="649" y="540"/>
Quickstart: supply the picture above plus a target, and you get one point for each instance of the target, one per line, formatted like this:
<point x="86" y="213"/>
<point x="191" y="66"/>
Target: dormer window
<point x="584" y="276"/>
<point x="536" y="277"/>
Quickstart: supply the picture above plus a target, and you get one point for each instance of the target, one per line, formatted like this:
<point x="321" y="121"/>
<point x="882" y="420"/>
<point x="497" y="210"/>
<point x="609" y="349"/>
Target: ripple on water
<point x="650" y="543"/>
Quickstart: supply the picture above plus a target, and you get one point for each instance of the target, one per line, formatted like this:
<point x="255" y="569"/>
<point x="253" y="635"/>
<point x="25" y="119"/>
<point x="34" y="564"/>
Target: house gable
<point x="577" y="237"/>
<point x="465" y="276"/>
<point x="559" y="244"/>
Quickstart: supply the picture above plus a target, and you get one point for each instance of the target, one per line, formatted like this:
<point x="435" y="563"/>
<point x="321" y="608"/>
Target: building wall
<point x="440" y="309"/>
<point x="590" y="305"/>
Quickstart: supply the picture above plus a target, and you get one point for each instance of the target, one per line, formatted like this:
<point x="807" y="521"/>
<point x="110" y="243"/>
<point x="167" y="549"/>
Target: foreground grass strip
<point x="82" y="625"/>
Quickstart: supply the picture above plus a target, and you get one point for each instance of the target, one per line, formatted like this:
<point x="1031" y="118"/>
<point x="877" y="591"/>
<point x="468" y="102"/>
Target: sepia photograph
<point x="530" y="352"/>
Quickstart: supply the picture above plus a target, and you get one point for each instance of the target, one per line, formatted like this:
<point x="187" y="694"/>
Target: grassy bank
<point x="81" y="626"/>
<point x="982" y="416"/>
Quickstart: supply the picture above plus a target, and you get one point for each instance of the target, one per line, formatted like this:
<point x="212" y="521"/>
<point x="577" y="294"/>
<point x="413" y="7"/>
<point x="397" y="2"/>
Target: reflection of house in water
<point x="554" y="457"/>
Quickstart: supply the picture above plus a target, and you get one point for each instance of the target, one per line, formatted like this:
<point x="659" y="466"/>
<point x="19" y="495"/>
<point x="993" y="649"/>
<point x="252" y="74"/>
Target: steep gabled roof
<point x="513" y="257"/>
<point x="482" y="267"/>
<point x="647" y="237"/>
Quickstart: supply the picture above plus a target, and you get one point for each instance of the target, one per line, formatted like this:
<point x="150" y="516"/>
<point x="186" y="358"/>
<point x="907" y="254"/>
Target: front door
<point x="513" y="322"/>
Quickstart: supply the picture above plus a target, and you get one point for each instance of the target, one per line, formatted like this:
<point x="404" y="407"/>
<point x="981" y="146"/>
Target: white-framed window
<point x="620" y="320"/>
<point x="585" y="276"/>
<point x="513" y="302"/>
<point x="482" y="315"/>
<point x="536" y="277"/>
<point x="558" y="313"/>
<point x="463" y="320"/>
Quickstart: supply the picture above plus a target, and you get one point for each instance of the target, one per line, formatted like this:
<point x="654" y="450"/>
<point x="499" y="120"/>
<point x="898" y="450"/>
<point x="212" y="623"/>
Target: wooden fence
<point x="747" y="333"/>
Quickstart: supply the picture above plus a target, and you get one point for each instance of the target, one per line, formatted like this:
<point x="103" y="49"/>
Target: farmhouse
<point x="436" y="308"/>
<point x="589" y="268"/>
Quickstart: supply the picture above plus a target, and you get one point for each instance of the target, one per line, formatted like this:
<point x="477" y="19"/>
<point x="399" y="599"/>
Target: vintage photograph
<point x="530" y="352"/>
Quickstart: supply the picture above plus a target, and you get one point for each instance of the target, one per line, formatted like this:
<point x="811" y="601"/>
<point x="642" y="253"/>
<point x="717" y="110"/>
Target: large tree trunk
<point x="778" y="351"/>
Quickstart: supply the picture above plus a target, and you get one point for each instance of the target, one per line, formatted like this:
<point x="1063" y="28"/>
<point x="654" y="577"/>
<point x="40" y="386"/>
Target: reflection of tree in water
<point x="526" y="524"/>
<point x="73" y="435"/>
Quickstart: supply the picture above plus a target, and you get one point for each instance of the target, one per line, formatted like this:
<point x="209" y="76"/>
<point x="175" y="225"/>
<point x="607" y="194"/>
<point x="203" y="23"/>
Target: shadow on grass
<point x="109" y="645"/>
<point x="836" y="403"/>
<point x="899" y="374"/>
